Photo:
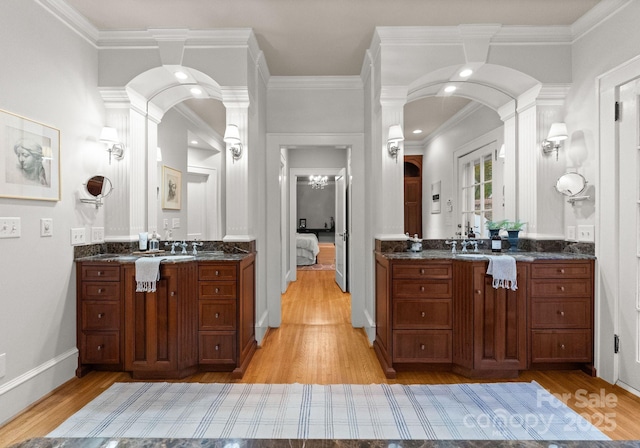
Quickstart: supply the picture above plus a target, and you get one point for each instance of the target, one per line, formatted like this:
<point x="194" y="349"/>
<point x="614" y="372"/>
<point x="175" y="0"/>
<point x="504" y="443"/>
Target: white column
<point x="238" y="225"/>
<point x="390" y="177"/>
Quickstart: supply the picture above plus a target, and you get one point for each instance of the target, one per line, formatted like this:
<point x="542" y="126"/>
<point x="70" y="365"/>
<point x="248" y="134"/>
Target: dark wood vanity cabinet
<point x="490" y="326"/>
<point x="100" y="317"/>
<point x="226" y="302"/>
<point x="161" y="326"/>
<point x="435" y="314"/>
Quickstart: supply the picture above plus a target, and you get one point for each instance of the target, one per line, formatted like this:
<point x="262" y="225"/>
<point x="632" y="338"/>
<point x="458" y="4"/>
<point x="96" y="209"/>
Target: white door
<point x="629" y="240"/>
<point x="196" y="211"/>
<point x="341" y="234"/>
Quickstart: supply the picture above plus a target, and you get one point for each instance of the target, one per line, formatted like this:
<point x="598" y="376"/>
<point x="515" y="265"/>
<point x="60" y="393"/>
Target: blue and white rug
<point x="511" y="411"/>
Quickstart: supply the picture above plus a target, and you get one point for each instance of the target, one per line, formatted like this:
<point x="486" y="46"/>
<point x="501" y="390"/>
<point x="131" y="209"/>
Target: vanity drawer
<point x="431" y="346"/>
<point x="217" y="290"/>
<point x="561" y="270"/>
<point x="561" y="346"/>
<point x="561" y="288"/>
<point x="100" y="315"/>
<point x="561" y="313"/>
<point x="100" y="291"/>
<point x="217" y="314"/>
<point x="100" y="347"/>
<point x="100" y="272"/>
<point x="217" y="271"/>
<point x="423" y="314"/>
<point x="426" y="270"/>
<point x="423" y="289"/>
<point x="218" y="347"/>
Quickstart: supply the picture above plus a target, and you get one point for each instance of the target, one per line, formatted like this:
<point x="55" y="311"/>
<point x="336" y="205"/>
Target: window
<point x="475" y="171"/>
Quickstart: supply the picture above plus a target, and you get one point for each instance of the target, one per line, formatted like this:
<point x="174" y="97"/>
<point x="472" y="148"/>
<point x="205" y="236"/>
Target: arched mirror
<point x="99" y="187"/>
<point x="572" y="185"/>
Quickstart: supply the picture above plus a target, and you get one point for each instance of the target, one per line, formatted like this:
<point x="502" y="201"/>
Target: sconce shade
<point x="109" y="135"/>
<point x="558" y="132"/>
<point x="395" y="134"/>
<point x="232" y="134"/>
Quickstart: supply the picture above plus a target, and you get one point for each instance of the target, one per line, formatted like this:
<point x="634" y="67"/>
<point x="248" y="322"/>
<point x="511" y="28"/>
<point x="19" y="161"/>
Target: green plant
<point x="514" y="225"/>
<point x="495" y="225"/>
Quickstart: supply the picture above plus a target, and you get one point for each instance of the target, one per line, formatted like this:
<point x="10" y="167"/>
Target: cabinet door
<point x="499" y="322"/>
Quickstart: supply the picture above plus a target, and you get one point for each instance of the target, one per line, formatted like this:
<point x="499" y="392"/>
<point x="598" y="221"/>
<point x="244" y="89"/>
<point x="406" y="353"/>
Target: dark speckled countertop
<point x="482" y="255"/>
<point x="298" y="443"/>
<point x="166" y="256"/>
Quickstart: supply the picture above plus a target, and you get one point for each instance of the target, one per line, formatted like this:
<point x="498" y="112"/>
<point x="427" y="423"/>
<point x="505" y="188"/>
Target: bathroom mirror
<point x="571" y="184"/>
<point x="99" y="187"/>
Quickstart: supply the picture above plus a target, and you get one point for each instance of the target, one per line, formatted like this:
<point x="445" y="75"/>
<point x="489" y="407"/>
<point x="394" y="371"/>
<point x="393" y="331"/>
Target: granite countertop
<point x="299" y="443"/>
<point x="482" y="255"/>
<point x="167" y="257"/>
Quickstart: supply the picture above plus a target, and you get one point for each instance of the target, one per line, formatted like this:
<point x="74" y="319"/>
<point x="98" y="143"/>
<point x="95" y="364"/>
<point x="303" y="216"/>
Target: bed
<point x="306" y="249"/>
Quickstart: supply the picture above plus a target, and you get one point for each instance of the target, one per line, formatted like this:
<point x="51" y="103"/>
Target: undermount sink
<point x="471" y="255"/>
<point x="178" y="257"/>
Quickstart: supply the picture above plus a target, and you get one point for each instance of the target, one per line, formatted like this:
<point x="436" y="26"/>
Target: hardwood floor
<point x="316" y="344"/>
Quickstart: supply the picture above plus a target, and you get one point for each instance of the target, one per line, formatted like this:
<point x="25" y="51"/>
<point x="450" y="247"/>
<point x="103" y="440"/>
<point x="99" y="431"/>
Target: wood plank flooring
<point x="316" y="344"/>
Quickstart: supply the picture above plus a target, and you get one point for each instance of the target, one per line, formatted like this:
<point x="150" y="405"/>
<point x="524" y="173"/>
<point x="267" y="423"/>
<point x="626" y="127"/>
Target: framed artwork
<point x="30" y="159"/>
<point x="171" y="188"/>
<point x="303" y="223"/>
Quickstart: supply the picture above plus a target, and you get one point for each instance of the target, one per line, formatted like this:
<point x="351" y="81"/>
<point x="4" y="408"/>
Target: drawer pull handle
<point x="100" y="315"/>
<point x="561" y="271"/>
<point x="561" y="313"/>
<point x="100" y="347"/>
<point x="217" y="290"/>
<point x="100" y="290"/>
<point x="217" y="347"/>
<point x="421" y="271"/>
<point x="423" y="314"/>
<point x="217" y="315"/>
<point x="173" y="293"/>
<point x="217" y="273"/>
<point x="561" y="288"/>
<point x="422" y="289"/>
<point x="100" y="273"/>
<point x="562" y="346"/>
<point x="421" y="346"/>
<point x="478" y="291"/>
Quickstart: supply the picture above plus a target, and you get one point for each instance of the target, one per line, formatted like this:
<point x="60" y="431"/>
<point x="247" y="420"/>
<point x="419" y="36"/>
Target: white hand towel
<point x="503" y="270"/>
<point x="147" y="273"/>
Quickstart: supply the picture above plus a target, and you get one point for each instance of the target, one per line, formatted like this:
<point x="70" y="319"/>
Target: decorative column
<point x="390" y="170"/>
<point x="239" y="213"/>
<point x="126" y="208"/>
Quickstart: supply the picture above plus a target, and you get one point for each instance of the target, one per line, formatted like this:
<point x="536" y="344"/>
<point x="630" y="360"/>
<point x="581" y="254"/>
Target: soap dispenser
<point x="154" y="244"/>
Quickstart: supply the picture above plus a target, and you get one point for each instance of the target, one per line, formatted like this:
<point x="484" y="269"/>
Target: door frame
<point x="607" y="303"/>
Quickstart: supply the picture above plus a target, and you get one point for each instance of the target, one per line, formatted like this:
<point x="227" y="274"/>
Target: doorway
<point x="413" y="195"/>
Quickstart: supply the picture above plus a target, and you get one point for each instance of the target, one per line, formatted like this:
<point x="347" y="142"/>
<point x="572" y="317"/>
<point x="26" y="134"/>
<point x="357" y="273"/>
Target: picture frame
<point x="30" y="159"/>
<point x="171" y="188"/>
<point x="303" y="223"/>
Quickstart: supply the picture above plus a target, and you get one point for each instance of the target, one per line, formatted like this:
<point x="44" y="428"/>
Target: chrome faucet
<point x="464" y="245"/>
<point x="195" y="244"/>
<point x="453" y="245"/>
<point x="174" y="244"/>
<point x="184" y="245"/>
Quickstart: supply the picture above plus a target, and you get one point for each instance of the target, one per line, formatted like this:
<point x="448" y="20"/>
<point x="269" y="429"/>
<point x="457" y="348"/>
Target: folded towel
<point x="503" y="270"/>
<point x="147" y="273"/>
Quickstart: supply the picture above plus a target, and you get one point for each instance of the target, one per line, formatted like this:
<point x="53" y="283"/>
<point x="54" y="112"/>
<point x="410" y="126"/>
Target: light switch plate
<point x="175" y="224"/>
<point x="586" y="234"/>
<point x="46" y="227"/>
<point x="78" y="236"/>
<point x="97" y="234"/>
<point x="10" y="228"/>
<point x="571" y="233"/>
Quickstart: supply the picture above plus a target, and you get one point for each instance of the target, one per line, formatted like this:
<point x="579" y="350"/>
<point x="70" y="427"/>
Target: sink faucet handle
<point x="184" y="245"/>
<point x="195" y="244"/>
<point x="173" y="246"/>
<point x="476" y="243"/>
<point x="453" y="245"/>
<point x="464" y="245"/>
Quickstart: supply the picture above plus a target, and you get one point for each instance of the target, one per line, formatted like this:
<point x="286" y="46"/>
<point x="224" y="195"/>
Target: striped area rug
<point x="505" y="411"/>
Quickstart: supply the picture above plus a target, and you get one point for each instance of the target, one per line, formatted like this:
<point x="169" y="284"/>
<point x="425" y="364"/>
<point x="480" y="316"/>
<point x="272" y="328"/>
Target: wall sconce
<point x="557" y="134"/>
<point x="114" y="145"/>
<point x="393" y="141"/>
<point x="232" y="137"/>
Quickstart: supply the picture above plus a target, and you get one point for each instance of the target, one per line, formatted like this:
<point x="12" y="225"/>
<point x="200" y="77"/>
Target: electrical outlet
<point x="78" y="236"/>
<point x="97" y="234"/>
<point x="46" y="227"/>
<point x="571" y="233"/>
<point x="10" y="228"/>
<point x="175" y="224"/>
<point x="3" y="365"/>
<point x="586" y="234"/>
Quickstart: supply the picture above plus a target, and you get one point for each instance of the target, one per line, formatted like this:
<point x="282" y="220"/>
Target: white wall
<point x="49" y="75"/>
<point x="316" y="206"/>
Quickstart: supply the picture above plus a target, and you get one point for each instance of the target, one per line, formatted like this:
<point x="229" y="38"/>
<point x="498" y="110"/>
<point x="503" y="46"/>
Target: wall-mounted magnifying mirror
<point x="572" y="185"/>
<point x="99" y="187"/>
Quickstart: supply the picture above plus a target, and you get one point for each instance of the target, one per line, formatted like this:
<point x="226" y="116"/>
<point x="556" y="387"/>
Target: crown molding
<point x="596" y="15"/>
<point x="316" y="82"/>
<point x="218" y="38"/>
<point x="71" y="18"/>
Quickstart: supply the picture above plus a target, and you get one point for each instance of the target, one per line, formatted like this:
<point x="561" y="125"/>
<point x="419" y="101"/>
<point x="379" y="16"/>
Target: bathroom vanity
<point x="201" y="316"/>
<point x="440" y="311"/>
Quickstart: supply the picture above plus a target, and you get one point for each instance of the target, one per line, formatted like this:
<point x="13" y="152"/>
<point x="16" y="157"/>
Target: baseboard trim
<point x="27" y="376"/>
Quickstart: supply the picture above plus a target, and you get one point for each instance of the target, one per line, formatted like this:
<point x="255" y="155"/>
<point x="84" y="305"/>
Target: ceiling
<point x="329" y="37"/>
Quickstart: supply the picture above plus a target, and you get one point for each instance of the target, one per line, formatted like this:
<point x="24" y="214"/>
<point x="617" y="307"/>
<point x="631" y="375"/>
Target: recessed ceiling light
<point x="194" y="142"/>
<point x="196" y="91"/>
<point x="466" y="73"/>
<point x="417" y="131"/>
<point x="450" y="89"/>
<point x="180" y="75"/>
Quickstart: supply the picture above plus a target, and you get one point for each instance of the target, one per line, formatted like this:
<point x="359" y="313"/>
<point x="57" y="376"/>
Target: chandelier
<point x="318" y="182"/>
